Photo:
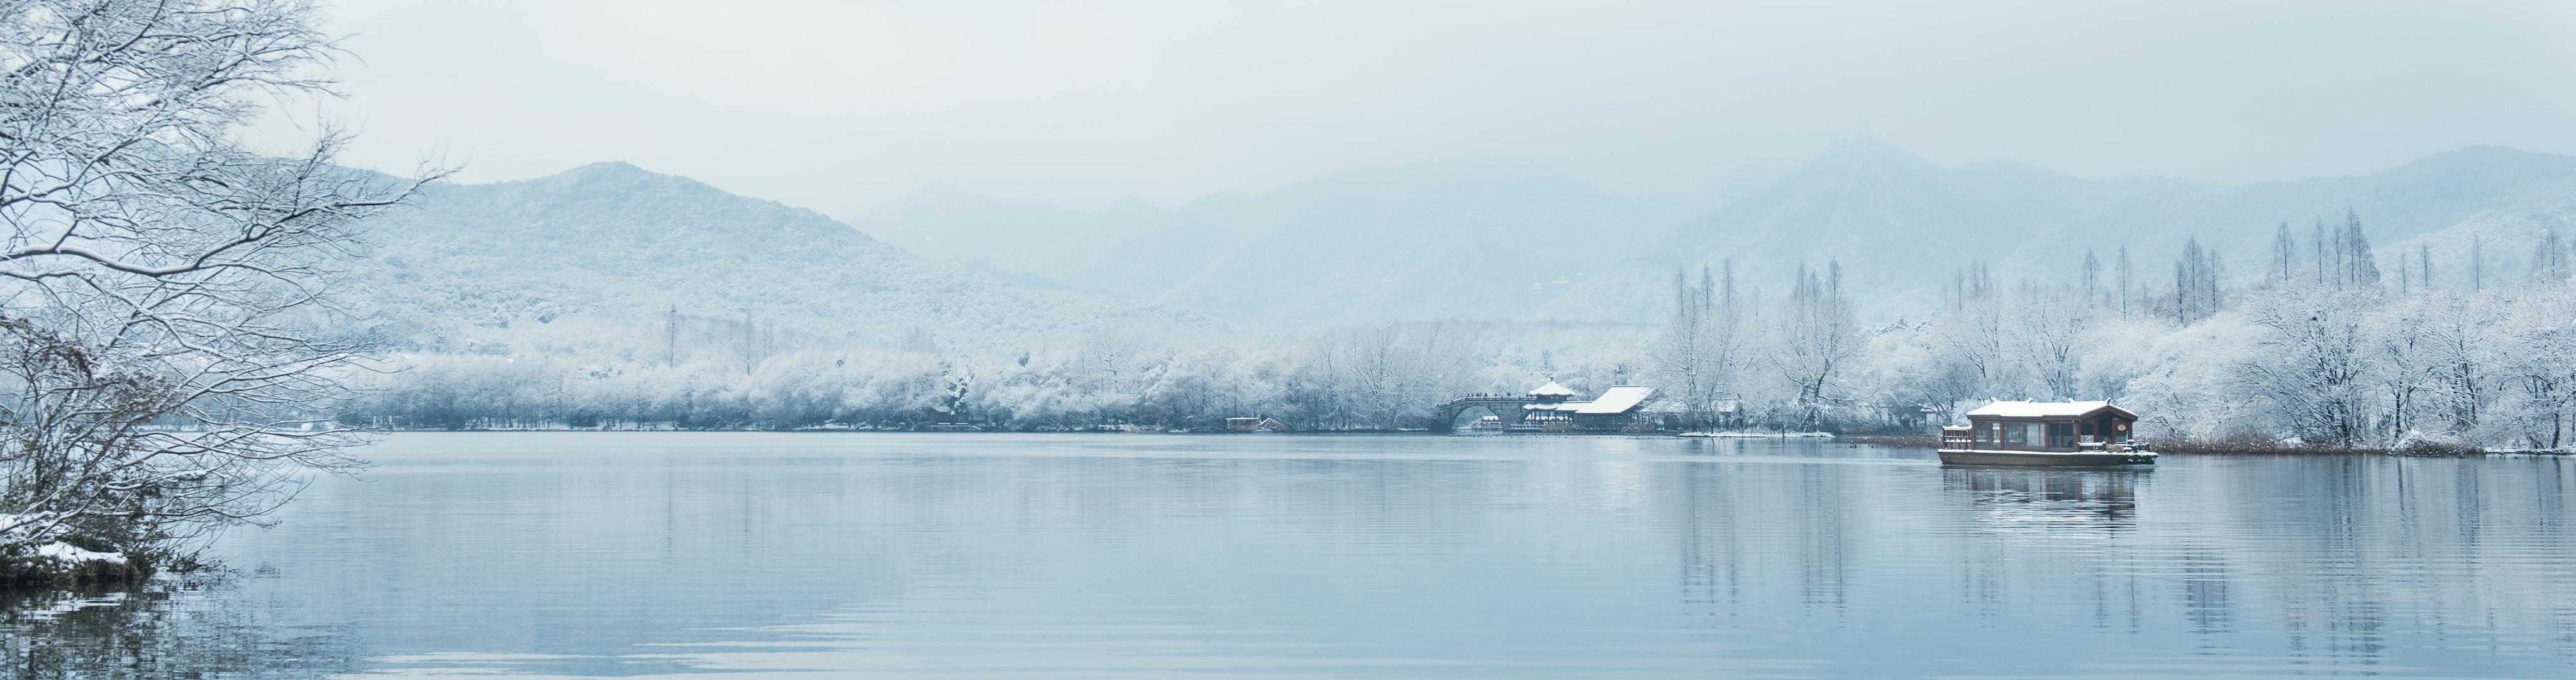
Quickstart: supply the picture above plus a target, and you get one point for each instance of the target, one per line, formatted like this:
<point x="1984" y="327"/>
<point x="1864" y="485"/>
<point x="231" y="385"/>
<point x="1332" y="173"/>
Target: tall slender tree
<point x="2477" y="262"/>
<point x="2092" y="276"/>
<point x="2284" y="253"/>
<point x="2196" y="276"/>
<point x="2323" y="259"/>
<point x="2424" y="264"/>
<point x="2359" y="268"/>
<point x="2549" y="256"/>
<point x="2126" y="276"/>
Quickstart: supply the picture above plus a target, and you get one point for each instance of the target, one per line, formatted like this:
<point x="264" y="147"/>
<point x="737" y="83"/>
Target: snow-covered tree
<point x="158" y="275"/>
<point x="2315" y="369"/>
<point x="2196" y="281"/>
<point x="2050" y="331"/>
<point x="1695" y="357"/>
<point x="2549" y="256"/>
<point x="1815" y="340"/>
<point x="2285" y="251"/>
<point x="2357" y="267"/>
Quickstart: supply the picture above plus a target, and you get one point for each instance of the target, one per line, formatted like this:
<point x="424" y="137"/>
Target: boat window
<point x="2012" y="435"/>
<point x="2061" y="435"/>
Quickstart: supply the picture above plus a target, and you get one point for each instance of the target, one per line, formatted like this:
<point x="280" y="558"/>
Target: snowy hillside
<point x="2493" y="246"/>
<point x="610" y="243"/>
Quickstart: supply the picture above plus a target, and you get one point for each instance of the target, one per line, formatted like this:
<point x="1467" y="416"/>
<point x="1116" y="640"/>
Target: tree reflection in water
<point x="169" y="628"/>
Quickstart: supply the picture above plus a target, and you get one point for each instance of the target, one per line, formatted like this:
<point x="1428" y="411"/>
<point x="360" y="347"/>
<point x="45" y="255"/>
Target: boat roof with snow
<point x="2047" y="410"/>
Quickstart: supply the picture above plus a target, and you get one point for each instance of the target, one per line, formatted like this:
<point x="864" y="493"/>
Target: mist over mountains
<point x="1461" y="240"/>
<point x="1904" y="223"/>
<point x="1522" y="244"/>
<point x="1472" y="241"/>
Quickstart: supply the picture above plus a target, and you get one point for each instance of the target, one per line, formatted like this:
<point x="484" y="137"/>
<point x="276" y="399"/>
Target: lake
<point x="1111" y="556"/>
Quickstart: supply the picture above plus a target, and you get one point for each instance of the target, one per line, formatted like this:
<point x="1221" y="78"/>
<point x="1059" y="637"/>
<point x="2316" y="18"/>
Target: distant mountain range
<point x="1450" y="241"/>
<point x="1461" y="240"/>
<point x="613" y="242"/>
<point x="1514" y="243"/>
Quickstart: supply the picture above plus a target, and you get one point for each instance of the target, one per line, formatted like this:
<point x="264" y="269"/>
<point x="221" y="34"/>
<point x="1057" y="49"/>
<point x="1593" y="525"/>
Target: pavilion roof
<point x="1618" y="399"/>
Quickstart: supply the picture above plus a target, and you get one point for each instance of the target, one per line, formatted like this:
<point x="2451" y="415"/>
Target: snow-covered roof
<point x="1618" y="399"/>
<point x="1551" y="390"/>
<point x="2045" y="409"/>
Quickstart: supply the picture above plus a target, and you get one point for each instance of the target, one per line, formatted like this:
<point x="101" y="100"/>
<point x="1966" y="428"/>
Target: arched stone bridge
<point x="1506" y="406"/>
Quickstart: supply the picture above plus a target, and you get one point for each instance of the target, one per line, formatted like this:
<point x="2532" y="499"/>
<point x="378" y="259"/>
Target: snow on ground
<point x="69" y="554"/>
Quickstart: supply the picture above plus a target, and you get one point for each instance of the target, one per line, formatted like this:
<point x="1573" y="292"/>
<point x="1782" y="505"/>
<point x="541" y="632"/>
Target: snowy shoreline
<point x="63" y="564"/>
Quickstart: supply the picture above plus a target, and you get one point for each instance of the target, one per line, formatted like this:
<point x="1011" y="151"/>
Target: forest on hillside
<point x="2331" y="345"/>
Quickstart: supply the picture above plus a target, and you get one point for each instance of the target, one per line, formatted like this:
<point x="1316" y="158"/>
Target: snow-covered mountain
<point x="2501" y="244"/>
<point x="610" y="242"/>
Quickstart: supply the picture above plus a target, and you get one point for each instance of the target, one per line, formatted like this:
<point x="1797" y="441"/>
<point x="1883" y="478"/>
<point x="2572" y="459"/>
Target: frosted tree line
<point x="2322" y="350"/>
<point x="2330" y="344"/>
<point x="576" y="375"/>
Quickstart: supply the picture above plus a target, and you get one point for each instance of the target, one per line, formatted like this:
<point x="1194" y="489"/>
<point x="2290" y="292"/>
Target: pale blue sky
<point x="835" y="105"/>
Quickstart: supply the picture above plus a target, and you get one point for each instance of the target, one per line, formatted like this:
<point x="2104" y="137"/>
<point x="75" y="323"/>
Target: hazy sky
<point x="835" y="105"/>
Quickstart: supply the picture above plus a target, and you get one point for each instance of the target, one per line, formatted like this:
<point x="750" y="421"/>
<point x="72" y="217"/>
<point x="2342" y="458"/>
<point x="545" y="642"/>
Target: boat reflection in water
<point x="2010" y="498"/>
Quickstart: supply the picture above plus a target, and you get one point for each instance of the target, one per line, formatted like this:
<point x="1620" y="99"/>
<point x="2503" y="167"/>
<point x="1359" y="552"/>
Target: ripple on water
<point x="805" y="555"/>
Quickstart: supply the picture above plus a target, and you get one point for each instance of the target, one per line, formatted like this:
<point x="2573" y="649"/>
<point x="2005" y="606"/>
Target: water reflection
<point x="1380" y="556"/>
<point x="166" y="629"/>
<point x="2054" y="501"/>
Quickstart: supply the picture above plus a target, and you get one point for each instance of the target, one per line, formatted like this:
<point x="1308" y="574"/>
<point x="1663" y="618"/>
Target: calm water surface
<point x="833" y="555"/>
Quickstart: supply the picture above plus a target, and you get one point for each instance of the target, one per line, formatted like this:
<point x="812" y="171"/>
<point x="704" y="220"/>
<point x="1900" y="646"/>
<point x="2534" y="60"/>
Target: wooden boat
<point x="2047" y="434"/>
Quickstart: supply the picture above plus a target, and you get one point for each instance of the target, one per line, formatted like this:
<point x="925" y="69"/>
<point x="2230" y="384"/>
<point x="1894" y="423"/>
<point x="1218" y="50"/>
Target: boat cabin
<point x="1259" y="424"/>
<point x="2056" y="426"/>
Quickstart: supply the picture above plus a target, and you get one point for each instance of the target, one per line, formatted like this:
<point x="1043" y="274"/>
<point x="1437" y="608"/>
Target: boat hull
<point x="2047" y="458"/>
